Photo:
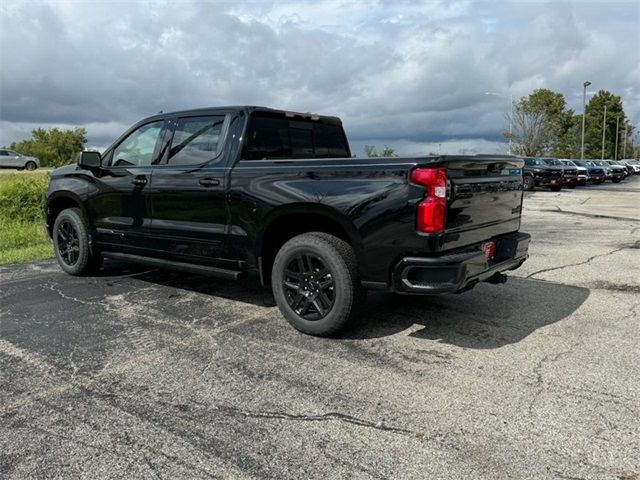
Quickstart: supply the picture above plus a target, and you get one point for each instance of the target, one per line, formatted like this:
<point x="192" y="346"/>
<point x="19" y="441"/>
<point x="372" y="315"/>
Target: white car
<point x="11" y="159"/>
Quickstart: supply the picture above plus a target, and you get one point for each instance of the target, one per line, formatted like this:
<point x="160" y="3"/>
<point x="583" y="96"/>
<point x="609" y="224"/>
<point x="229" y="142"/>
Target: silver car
<point x="11" y="159"/>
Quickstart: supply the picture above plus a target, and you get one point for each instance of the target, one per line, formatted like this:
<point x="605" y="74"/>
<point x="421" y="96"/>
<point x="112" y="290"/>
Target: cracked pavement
<point x="141" y="373"/>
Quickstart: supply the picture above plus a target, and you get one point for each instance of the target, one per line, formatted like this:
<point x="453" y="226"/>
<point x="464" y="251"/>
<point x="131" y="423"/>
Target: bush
<point x="22" y="234"/>
<point x="22" y="197"/>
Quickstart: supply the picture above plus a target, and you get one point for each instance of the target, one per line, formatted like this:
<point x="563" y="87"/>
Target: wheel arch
<point x="58" y="202"/>
<point x="289" y="221"/>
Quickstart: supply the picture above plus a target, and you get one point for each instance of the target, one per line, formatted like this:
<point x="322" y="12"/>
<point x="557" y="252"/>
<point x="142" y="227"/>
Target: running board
<point x="172" y="265"/>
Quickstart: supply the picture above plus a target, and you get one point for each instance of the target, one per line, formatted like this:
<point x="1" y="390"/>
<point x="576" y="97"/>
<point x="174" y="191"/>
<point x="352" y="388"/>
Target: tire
<point x="312" y="302"/>
<point x="71" y="244"/>
<point x="529" y="183"/>
<point x="571" y="186"/>
<point x="616" y="180"/>
<point x="31" y="166"/>
<point x="556" y="188"/>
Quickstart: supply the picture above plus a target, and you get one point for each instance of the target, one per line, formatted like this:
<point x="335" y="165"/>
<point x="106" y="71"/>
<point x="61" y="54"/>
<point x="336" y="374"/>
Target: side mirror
<point x="89" y="160"/>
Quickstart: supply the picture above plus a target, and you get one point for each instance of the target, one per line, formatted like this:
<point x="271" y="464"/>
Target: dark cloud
<point x="405" y="73"/>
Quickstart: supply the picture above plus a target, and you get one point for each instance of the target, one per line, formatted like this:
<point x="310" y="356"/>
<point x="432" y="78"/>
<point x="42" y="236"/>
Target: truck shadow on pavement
<point x="489" y="316"/>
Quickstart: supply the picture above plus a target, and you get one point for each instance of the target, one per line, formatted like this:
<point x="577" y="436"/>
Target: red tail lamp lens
<point x="432" y="211"/>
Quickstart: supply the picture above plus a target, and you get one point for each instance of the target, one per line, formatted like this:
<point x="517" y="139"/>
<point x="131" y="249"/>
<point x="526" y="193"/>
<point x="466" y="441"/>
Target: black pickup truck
<point x="275" y="195"/>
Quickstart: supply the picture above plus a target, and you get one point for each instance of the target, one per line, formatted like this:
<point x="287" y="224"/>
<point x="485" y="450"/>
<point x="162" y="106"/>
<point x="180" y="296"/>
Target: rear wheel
<point x="529" y="183"/>
<point x="31" y="166"/>
<point x="71" y="244"/>
<point x="315" y="283"/>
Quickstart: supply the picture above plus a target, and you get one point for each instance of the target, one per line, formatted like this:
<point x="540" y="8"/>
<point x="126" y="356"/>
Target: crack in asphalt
<point x="329" y="416"/>
<point x="537" y="370"/>
<point x="584" y="262"/>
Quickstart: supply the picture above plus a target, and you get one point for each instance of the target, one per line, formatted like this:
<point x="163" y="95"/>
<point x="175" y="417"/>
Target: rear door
<point x="188" y="191"/>
<point x="5" y="161"/>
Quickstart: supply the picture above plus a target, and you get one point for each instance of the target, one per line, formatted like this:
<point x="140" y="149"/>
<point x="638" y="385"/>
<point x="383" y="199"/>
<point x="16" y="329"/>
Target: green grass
<point x="22" y="232"/>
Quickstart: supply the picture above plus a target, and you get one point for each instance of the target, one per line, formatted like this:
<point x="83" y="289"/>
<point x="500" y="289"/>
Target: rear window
<point x="271" y="138"/>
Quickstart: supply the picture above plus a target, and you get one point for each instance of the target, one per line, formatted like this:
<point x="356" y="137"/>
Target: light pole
<point x="624" y="143"/>
<point x="584" y="106"/>
<point x="604" y="129"/>
<point x="510" y="97"/>
<point x="617" y="125"/>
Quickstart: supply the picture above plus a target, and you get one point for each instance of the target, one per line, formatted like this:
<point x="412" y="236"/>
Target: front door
<point x="120" y="206"/>
<point x="188" y="192"/>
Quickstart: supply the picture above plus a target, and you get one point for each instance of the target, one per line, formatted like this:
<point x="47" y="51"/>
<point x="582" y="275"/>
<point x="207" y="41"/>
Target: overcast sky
<point x="406" y="74"/>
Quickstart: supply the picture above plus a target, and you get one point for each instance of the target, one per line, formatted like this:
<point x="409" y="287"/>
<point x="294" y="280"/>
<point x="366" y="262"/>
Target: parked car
<point x="582" y="172"/>
<point x="12" y="159"/>
<point x="634" y="164"/>
<point x="627" y="166"/>
<point x="569" y="172"/>
<point x="596" y="173"/>
<point x="618" y="164"/>
<point x="616" y="172"/>
<point x="538" y="173"/>
<point x="275" y="195"/>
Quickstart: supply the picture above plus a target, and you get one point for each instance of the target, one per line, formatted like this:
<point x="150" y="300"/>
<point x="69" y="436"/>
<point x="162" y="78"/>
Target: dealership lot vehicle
<point x="147" y="373"/>
<point x="582" y="173"/>
<point x="613" y="172"/>
<point x="11" y="159"/>
<point x="596" y="174"/>
<point x="569" y="172"/>
<point x="537" y="173"/>
<point x="249" y="191"/>
<point x="633" y="166"/>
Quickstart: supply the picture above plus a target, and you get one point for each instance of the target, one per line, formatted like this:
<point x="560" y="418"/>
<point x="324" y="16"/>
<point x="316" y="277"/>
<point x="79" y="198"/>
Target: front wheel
<point x="315" y="283"/>
<point x="71" y="243"/>
<point x="529" y="183"/>
<point x="616" y="180"/>
<point x="31" y="166"/>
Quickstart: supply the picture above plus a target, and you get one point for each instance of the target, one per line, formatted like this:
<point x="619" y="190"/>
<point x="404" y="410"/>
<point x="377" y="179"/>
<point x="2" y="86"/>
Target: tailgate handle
<point x="209" y="182"/>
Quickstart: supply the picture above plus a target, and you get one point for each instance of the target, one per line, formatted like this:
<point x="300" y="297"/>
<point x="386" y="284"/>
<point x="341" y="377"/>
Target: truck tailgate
<point x="484" y="198"/>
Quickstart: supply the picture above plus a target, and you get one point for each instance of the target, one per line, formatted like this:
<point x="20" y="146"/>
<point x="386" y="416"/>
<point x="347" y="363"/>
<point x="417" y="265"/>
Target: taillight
<point x="432" y="211"/>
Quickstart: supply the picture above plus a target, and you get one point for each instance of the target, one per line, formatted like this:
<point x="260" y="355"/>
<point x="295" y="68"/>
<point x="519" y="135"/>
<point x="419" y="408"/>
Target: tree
<point x="594" y="117"/>
<point x="540" y="124"/>
<point x="54" y="147"/>
<point x="371" y="151"/>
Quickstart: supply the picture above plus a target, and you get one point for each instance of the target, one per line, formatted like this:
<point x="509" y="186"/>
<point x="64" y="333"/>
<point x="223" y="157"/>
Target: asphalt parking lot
<point x="143" y="373"/>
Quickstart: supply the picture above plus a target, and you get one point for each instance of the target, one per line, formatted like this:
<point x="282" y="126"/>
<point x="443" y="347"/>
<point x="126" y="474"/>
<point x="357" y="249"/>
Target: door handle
<point x="139" y="180"/>
<point x="209" y="182"/>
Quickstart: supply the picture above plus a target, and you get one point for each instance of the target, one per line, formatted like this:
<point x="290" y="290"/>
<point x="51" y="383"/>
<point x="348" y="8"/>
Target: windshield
<point x="569" y="162"/>
<point x="551" y="161"/>
<point x="601" y="163"/>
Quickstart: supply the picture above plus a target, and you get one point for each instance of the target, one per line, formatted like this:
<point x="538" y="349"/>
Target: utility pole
<point x="584" y="106"/>
<point x="624" y="143"/>
<point x="604" y="124"/>
<point x="617" y="123"/>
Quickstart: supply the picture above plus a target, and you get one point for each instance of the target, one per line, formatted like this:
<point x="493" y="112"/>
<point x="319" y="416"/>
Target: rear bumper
<point x="460" y="271"/>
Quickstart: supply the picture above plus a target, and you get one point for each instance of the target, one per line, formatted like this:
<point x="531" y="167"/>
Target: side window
<point x="528" y="161"/>
<point x="137" y="149"/>
<point x="4" y="153"/>
<point x="195" y="140"/>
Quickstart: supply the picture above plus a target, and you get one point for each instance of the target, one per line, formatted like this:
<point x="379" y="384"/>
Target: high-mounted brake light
<point x="432" y="211"/>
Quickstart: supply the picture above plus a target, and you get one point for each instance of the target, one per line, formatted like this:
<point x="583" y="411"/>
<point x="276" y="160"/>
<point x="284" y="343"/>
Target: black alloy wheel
<point x="309" y="287"/>
<point x="68" y="242"/>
